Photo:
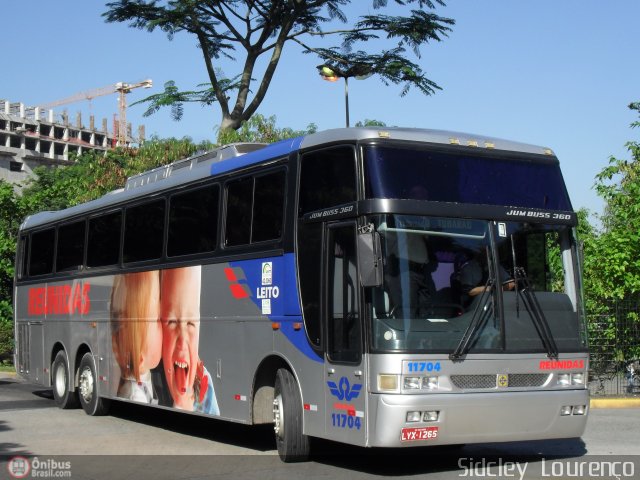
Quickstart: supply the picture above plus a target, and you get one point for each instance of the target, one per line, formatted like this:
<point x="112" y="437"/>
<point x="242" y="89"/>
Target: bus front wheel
<point x="91" y="403"/>
<point x="293" y="445"/>
<point x="62" y="394"/>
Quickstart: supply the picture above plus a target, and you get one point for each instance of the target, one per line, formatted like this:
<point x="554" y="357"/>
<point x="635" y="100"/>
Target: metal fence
<point x="614" y="345"/>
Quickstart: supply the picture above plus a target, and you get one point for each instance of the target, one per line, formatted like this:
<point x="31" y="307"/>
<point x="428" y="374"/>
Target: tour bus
<point x="381" y="287"/>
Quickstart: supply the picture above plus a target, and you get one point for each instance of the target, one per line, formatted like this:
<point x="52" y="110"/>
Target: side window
<point x="327" y="177"/>
<point x="24" y="256"/>
<point x="268" y="207"/>
<point x="255" y="209"/>
<point x="42" y="247"/>
<point x="343" y="329"/>
<point x="193" y="222"/>
<point x="143" y="232"/>
<point x="310" y="275"/>
<point x="103" y="245"/>
<point x="238" y="220"/>
<point x="70" y="250"/>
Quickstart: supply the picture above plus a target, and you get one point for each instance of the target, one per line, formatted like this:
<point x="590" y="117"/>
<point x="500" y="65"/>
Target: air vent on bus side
<point x="188" y="164"/>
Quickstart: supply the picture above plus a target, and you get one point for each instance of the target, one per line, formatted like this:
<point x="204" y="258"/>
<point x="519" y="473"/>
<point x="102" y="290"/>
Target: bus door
<point x="345" y="389"/>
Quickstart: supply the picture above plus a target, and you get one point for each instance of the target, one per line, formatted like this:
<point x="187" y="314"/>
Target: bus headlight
<point x="566" y="410"/>
<point x="577" y="379"/>
<point x="412" y="383"/>
<point x="430" y="416"/>
<point x="430" y="383"/>
<point x="579" y="409"/>
<point x="564" y="379"/>
<point x="388" y="382"/>
<point x="414" y="416"/>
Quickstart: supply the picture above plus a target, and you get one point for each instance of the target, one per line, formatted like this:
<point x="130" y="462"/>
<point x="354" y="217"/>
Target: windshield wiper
<point x="479" y="318"/>
<point x="532" y="305"/>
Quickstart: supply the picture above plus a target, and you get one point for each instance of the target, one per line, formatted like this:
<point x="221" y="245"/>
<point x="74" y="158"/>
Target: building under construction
<point x="35" y="136"/>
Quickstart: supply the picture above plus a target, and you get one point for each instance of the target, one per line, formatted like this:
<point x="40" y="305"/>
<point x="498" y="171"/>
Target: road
<point x="138" y="442"/>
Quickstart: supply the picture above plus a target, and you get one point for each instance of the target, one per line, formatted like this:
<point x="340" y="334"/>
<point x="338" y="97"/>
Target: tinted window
<point x="193" y="222"/>
<point x="310" y="270"/>
<point x="103" y="246"/>
<point x="268" y="207"/>
<point x="70" y="255"/>
<point x="143" y="232"/>
<point x="24" y="255"/>
<point x="41" y="260"/>
<point x="328" y="178"/>
<point x="238" y="221"/>
<point x="394" y="172"/>
<point x="343" y="329"/>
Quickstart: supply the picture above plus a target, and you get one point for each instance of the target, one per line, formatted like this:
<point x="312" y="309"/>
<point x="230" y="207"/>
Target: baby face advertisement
<point x="155" y="331"/>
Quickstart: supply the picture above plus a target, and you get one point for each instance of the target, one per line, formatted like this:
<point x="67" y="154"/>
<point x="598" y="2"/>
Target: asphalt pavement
<point x="140" y="442"/>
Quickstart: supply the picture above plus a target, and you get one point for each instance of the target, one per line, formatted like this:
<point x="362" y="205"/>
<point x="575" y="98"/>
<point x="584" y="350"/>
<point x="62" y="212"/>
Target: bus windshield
<point x="421" y="174"/>
<point x="474" y="286"/>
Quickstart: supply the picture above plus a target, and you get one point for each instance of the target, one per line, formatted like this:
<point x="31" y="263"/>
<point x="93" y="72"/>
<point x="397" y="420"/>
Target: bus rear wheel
<point x="293" y="445"/>
<point x="62" y="394"/>
<point x="91" y="403"/>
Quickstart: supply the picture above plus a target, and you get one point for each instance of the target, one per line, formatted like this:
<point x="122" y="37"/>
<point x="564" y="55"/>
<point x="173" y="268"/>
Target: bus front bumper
<point x="476" y="417"/>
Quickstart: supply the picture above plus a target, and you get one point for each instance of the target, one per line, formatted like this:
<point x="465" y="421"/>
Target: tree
<point x="11" y="215"/>
<point x="371" y="123"/>
<point x="612" y="267"/>
<point x="261" y="129"/>
<point x="619" y="185"/>
<point x="247" y="30"/>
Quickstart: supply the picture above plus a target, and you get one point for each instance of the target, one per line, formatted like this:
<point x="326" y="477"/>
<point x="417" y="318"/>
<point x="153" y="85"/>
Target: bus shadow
<point x="388" y="462"/>
<point x="46" y="394"/>
<point x="10" y="449"/>
<point x="254" y="437"/>
<point x="398" y="462"/>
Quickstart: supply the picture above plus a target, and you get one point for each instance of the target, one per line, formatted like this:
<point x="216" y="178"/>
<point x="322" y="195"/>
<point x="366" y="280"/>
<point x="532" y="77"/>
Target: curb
<point x="615" y="403"/>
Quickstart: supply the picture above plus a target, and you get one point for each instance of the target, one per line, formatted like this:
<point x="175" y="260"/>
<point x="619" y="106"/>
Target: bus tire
<point x="90" y="401"/>
<point x="293" y="445"/>
<point x="61" y="381"/>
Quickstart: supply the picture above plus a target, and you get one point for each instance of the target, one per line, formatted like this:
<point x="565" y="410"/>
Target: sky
<point x="556" y="73"/>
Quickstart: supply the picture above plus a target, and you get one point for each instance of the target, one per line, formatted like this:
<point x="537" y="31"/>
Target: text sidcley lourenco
<point x="483" y="468"/>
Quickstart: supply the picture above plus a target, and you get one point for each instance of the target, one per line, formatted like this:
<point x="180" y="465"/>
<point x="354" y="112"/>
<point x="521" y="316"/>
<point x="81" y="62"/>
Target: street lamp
<point x="332" y="74"/>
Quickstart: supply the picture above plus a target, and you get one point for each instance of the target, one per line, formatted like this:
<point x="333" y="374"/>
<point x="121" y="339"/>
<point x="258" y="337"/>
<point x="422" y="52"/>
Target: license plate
<point x="420" y="433"/>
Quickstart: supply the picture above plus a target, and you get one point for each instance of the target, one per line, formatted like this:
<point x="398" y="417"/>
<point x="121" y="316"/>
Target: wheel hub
<point x="278" y="417"/>
<point x="60" y="381"/>
<point x="86" y="385"/>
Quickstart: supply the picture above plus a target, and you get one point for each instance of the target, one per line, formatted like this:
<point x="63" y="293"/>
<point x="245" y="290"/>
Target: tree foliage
<point x="370" y="123"/>
<point x="11" y="215"/>
<point x="619" y="243"/>
<point x="612" y="260"/>
<point x="261" y="129"/>
<point x="245" y="31"/>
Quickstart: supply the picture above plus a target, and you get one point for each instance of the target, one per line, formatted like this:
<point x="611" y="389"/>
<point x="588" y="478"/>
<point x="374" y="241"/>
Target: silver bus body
<point x="380" y="390"/>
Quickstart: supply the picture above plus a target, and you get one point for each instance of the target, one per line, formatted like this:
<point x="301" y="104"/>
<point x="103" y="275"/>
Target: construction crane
<point x="122" y="88"/>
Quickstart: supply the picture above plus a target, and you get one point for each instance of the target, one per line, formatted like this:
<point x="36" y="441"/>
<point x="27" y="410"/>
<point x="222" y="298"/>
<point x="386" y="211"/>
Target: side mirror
<point x="370" y="259"/>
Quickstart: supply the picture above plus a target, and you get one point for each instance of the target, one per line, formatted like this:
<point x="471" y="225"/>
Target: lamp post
<point x="332" y="74"/>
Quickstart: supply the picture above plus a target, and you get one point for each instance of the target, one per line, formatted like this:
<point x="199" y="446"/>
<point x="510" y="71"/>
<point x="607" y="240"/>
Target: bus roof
<point x="235" y="157"/>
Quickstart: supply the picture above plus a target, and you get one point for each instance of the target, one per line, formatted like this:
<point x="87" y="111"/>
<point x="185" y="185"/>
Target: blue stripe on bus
<point x="281" y="290"/>
<point x="275" y="150"/>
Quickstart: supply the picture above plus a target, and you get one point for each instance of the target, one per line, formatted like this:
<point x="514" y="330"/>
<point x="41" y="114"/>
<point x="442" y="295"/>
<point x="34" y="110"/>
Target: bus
<point x="381" y="287"/>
